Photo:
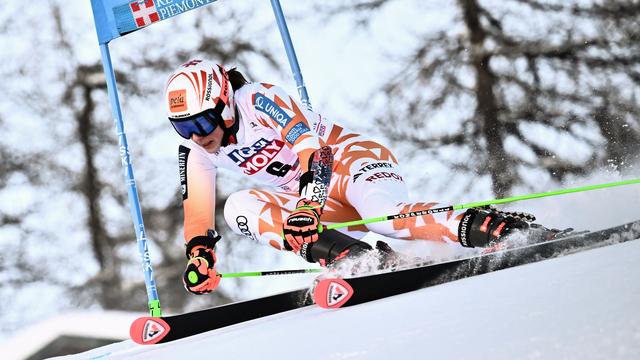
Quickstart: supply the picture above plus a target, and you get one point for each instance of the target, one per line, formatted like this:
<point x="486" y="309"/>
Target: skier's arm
<point x="197" y="181"/>
<point x="302" y="225"/>
<point x="280" y="111"/>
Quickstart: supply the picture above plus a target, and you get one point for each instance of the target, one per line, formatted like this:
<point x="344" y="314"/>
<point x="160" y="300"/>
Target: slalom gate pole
<point x="291" y="53"/>
<point x="476" y="204"/>
<point x="270" y="273"/>
<point x="134" y="201"/>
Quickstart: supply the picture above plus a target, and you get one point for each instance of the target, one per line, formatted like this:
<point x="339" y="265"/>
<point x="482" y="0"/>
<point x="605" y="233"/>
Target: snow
<point x="580" y="306"/>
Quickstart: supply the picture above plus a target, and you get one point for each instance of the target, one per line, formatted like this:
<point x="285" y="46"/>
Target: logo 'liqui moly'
<point x="257" y="156"/>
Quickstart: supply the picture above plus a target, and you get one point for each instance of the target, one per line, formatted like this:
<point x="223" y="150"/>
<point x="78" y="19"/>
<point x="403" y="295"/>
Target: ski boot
<point x="333" y="246"/>
<point x="496" y="230"/>
<point x="348" y="256"/>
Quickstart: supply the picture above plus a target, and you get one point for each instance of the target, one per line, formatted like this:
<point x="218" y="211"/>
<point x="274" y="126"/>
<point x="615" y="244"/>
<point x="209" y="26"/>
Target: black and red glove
<point x="200" y="276"/>
<point x="302" y="224"/>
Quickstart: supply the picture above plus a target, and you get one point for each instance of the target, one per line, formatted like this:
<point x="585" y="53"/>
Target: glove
<point x="200" y="276"/>
<point x="302" y="224"/>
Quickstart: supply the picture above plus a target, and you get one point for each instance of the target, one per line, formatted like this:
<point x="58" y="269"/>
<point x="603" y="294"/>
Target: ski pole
<point x="269" y="273"/>
<point x="476" y="204"/>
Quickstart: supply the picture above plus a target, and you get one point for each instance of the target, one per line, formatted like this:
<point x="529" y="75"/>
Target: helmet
<point x="199" y="98"/>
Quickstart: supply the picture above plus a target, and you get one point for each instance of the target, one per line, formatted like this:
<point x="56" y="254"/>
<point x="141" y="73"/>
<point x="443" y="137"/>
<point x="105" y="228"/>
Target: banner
<point x="115" y="18"/>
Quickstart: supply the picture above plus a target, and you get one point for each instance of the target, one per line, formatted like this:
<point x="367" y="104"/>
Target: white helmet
<point x="199" y="98"/>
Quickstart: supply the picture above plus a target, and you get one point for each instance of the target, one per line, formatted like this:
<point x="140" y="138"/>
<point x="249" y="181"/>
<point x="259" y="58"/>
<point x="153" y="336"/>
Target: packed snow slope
<point x="580" y="306"/>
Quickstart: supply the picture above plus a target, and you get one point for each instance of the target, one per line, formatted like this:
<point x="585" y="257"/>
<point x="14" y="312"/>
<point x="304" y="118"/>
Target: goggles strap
<point x="230" y="133"/>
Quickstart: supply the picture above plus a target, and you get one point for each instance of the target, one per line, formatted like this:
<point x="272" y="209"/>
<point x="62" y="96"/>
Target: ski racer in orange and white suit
<point x="262" y="132"/>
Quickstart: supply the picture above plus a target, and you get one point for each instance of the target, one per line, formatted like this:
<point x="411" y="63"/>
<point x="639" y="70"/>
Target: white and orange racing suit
<point x="275" y="139"/>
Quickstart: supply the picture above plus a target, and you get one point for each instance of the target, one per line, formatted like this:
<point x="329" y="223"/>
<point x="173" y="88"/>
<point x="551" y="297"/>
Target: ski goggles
<point x="201" y="124"/>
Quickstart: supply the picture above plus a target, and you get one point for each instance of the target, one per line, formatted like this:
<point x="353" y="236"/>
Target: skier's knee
<point x="235" y="213"/>
<point x="237" y="202"/>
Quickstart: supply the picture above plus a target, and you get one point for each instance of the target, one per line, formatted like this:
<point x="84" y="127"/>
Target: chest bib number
<point x="277" y="168"/>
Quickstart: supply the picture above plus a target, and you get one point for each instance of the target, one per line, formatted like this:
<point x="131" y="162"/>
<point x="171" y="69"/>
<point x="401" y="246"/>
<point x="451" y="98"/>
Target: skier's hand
<point x="302" y="225"/>
<point x="200" y="276"/>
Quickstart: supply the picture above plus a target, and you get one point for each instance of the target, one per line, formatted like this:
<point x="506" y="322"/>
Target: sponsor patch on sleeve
<point x="183" y="155"/>
<point x="269" y="107"/>
<point x="295" y="132"/>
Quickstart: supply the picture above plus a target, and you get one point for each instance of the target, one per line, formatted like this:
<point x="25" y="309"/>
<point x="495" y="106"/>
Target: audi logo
<point x="242" y="221"/>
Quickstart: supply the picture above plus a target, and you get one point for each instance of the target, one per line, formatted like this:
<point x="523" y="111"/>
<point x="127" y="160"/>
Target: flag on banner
<point x="144" y="13"/>
<point x="115" y="18"/>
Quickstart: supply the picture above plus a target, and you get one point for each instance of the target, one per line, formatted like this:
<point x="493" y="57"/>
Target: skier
<point x="257" y="129"/>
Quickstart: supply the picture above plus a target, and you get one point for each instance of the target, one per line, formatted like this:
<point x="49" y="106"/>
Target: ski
<point x="338" y="292"/>
<point x="154" y="330"/>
